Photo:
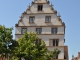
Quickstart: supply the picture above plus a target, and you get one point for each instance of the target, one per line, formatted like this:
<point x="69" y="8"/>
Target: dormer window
<point x="31" y="19"/>
<point x="40" y="7"/>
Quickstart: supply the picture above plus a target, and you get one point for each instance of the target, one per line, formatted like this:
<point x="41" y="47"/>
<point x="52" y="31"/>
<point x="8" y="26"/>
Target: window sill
<point x="42" y="34"/>
<point x="39" y="34"/>
<point x="53" y="34"/>
<point x="40" y="11"/>
<point x="31" y="23"/>
<point x="47" y="22"/>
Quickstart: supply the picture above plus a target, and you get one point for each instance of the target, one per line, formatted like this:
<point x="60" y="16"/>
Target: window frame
<point x="56" y="57"/>
<point x="48" y="20"/>
<point x="52" y="42"/>
<point x="55" y="31"/>
<point x="39" y="28"/>
<point x="40" y="8"/>
<point x="39" y="40"/>
<point x="31" y="17"/>
<point x="65" y="57"/>
<point x="22" y="30"/>
<point x="56" y="44"/>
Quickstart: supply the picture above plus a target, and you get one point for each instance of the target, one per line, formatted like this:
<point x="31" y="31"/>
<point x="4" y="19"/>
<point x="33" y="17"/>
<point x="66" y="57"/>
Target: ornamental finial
<point x="59" y="14"/>
<point x="52" y="4"/>
<point x="72" y="56"/>
<point x="29" y="5"/>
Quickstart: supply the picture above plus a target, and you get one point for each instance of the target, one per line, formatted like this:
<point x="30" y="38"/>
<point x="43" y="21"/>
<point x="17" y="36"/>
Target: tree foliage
<point x="31" y="47"/>
<point x="5" y="39"/>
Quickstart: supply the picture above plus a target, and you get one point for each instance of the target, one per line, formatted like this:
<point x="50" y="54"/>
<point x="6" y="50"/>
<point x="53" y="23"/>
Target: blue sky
<point x="10" y="10"/>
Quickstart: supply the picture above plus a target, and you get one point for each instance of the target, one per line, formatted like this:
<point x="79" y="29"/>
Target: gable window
<point x="48" y="19"/>
<point x="54" y="42"/>
<point x="31" y="19"/>
<point x="39" y="30"/>
<point x="54" y="30"/>
<point x="40" y="7"/>
<point x="23" y="29"/>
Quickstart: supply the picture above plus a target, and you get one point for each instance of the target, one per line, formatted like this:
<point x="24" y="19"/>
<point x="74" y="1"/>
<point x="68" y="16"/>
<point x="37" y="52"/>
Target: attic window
<point x="48" y="19"/>
<point x="40" y="7"/>
<point x="31" y="19"/>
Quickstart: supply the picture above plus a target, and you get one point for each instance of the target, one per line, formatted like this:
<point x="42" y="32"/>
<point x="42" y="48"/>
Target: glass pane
<point x="48" y="19"/>
<point x="31" y="19"/>
<point x="39" y="30"/>
<point x="41" y="7"/>
<point x="53" y="42"/>
<point x="53" y="32"/>
<point x="64" y="57"/>
<point x="23" y="30"/>
<point x="57" y="42"/>
<point x="57" y="57"/>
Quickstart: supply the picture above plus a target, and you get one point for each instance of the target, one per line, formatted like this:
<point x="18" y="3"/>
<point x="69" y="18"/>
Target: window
<point x="31" y="19"/>
<point x="64" y="40"/>
<point x="23" y="29"/>
<point x="39" y="30"/>
<point x="55" y="42"/>
<point x="56" y="57"/>
<point x="40" y="7"/>
<point x="38" y="41"/>
<point x="54" y="30"/>
<point x="64" y="57"/>
<point x="48" y="19"/>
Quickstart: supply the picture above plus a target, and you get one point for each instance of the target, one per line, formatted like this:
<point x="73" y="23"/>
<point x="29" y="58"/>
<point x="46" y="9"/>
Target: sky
<point x="10" y="10"/>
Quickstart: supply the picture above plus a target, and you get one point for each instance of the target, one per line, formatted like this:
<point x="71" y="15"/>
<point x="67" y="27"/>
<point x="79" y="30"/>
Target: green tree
<point x="31" y="47"/>
<point x="5" y="40"/>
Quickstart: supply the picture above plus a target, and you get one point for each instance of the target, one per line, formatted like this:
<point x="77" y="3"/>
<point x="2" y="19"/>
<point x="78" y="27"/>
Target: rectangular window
<point x="64" y="57"/>
<point x="38" y="41"/>
<point x="40" y="7"/>
<point x="31" y="19"/>
<point x="56" y="57"/>
<point x="39" y="30"/>
<point x="54" y="30"/>
<point x="48" y="19"/>
<point x="23" y="29"/>
<point x="55" y="42"/>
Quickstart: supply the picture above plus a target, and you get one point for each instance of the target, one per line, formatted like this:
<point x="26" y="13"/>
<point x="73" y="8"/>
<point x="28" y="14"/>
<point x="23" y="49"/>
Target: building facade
<point x="43" y="18"/>
<point x="76" y="58"/>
